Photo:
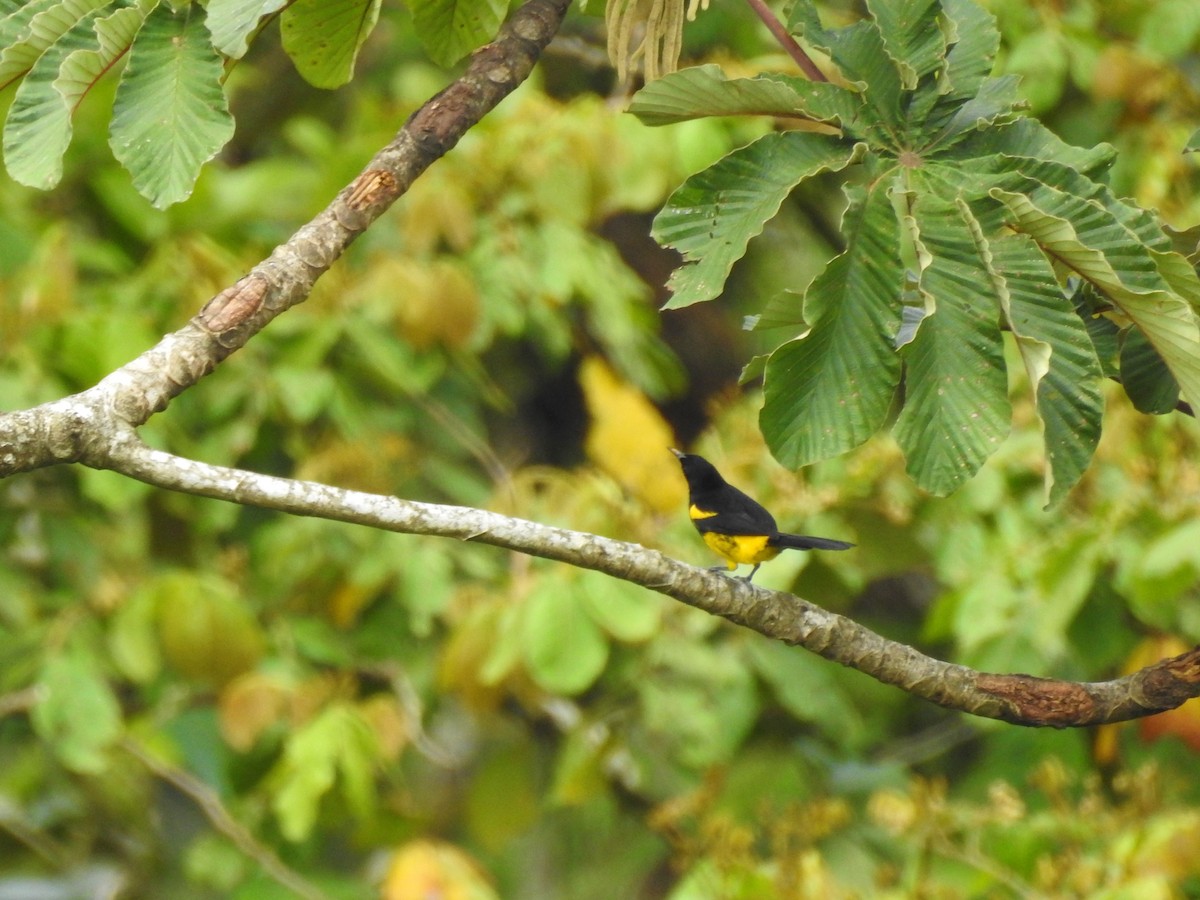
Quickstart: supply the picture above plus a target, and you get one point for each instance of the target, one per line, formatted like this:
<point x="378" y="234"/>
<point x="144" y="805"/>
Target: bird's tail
<point x="804" y="542"/>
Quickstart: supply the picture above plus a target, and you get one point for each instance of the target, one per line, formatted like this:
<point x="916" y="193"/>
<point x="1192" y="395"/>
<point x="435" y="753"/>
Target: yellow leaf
<point x="628" y="438"/>
<point x="423" y="869"/>
<point x="1182" y="722"/>
<point x="248" y="706"/>
<point x="387" y="721"/>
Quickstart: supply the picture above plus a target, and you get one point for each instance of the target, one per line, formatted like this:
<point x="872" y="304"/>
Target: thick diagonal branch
<point x="1020" y="699"/>
<point x="68" y="430"/>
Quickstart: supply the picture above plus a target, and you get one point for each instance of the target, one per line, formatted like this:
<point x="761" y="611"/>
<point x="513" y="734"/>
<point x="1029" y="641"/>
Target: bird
<point x="735" y="526"/>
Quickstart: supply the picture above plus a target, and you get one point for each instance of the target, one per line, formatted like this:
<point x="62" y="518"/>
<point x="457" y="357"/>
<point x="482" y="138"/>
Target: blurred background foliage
<point x="200" y="700"/>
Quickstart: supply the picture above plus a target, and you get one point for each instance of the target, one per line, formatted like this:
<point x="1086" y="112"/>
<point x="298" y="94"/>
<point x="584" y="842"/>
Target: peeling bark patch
<point x="1039" y="701"/>
<point x="233" y="306"/>
<point x="371" y="188"/>
<point x="1185" y="667"/>
<point x="1167" y="684"/>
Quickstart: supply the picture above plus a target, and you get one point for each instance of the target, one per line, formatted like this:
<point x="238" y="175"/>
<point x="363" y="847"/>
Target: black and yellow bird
<point x="735" y="526"/>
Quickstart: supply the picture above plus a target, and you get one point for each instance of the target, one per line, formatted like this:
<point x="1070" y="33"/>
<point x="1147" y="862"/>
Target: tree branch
<point x="97" y="427"/>
<point x="61" y="431"/>
<point x="1019" y="699"/>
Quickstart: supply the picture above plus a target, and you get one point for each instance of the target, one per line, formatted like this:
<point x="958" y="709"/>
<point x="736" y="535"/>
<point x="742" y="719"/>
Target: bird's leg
<point x="752" y="571"/>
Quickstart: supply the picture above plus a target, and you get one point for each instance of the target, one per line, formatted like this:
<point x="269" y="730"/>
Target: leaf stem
<point x="794" y="50"/>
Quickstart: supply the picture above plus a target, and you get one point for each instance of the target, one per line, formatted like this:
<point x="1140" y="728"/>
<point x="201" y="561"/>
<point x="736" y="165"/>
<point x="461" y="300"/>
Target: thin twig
<point x="19" y="828"/>
<point x="223" y="821"/>
<point x="794" y="50"/>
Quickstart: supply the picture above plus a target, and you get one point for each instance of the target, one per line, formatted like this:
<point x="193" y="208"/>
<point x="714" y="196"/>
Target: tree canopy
<point x="278" y="280"/>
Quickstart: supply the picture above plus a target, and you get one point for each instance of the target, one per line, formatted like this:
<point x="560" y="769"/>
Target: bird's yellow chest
<point x="735" y="549"/>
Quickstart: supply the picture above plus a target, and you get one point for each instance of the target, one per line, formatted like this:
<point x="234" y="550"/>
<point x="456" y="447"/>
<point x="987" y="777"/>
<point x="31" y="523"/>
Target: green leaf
<point x="1179" y="271"/>
<point x="974" y="40"/>
<point x="858" y="51"/>
<point x="232" y="21"/>
<point x="995" y="100"/>
<point x="356" y="761"/>
<point x="1193" y="143"/>
<point x="171" y="114"/>
<point x="450" y="29"/>
<point x="1041" y="60"/>
<point x="506" y="646"/>
<point x="564" y="649"/>
<point x="77" y="715"/>
<point x="809" y="690"/>
<point x="1103" y="332"/>
<point x="336" y="741"/>
<point x="15" y="27"/>
<point x="698" y="701"/>
<point x="713" y="216"/>
<point x="1161" y="574"/>
<point x="911" y="36"/>
<point x="1175" y="548"/>
<point x="503" y="801"/>
<point x="579" y="771"/>
<point x="1145" y="376"/>
<point x="83" y="68"/>
<point x="830" y="390"/>
<point x="625" y="611"/>
<point x="37" y="28"/>
<point x="1059" y="358"/>
<point x="205" y="630"/>
<point x="705" y="91"/>
<point x="1170" y="28"/>
<point x="323" y="37"/>
<point x="784" y="311"/>
<point x="38" y="128"/>
<point x="1104" y="248"/>
<point x="133" y="637"/>
<point x="1025" y="139"/>
<point x="956" y="409"/>
<point x="1056" y="179"/>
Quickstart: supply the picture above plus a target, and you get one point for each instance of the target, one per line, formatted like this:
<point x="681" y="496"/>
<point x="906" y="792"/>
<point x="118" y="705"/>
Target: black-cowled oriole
<point x="735" y="526"/>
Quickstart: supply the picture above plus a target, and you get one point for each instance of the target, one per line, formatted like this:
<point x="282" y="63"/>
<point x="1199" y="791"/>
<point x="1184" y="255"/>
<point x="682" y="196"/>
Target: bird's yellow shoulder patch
<point x="697" y="513"/>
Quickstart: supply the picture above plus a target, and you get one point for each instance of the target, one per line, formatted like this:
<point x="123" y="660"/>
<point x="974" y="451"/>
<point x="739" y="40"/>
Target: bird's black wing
<point x="732" y="513"/>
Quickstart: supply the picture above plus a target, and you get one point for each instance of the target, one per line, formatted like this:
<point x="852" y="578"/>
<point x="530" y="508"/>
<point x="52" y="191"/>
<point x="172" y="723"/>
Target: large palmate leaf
<point x="1059" y="358"/>
<point x="1106" y="251"/>
<point x="991" y="215"/>
<point x="860" y="53"/>
<point x="956" y="408"/>
<point x="705" y="91"/>
<point x="829" y="391"/>
<point x="712" y="217"/>
<point x="911" y="39"/>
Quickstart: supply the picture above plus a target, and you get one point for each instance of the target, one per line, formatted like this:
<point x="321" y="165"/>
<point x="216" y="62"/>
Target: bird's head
<point x="700" y="473"/>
